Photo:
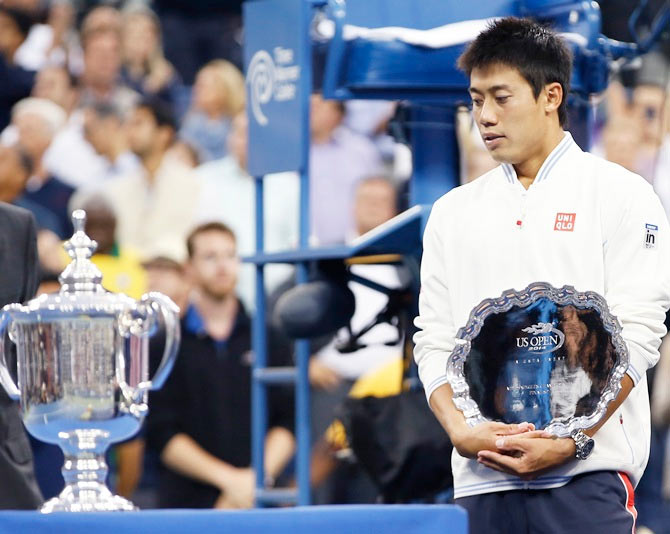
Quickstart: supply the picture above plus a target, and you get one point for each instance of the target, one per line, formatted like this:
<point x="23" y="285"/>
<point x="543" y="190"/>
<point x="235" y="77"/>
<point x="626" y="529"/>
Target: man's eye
<point x="502" y="99"/>
<point x="477" y="102"/>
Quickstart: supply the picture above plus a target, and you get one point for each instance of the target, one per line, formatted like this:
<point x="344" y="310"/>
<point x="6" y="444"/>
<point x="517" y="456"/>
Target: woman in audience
<point x="145" y="68"/>
<point x="218" y="95"/>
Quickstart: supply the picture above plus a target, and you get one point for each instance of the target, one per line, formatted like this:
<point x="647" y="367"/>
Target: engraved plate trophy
<point x="550" y="356"/>
<point x="82" y="360"/>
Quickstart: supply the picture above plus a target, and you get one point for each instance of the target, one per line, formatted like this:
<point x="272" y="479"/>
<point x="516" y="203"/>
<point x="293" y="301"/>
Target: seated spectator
<point x="229" y="195"/>
<point x="156" y="203"/>
<point x="101" y="80"/>
<point x="218" y="95"/>
<point x="37" y="122"/>
<point x="145" y="69"/>
<point x="339" y="158"/>
<point x="15" y="81"/>
<point x="105" y="132"/>
<point x="56" y="84"/>
<point x="200" y="422"/>
<point x="168" y="276"/>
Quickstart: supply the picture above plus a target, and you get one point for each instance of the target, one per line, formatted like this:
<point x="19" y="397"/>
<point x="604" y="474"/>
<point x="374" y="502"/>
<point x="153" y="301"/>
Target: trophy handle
<point x="5" y="376"/>
<point x="157" y="302"/>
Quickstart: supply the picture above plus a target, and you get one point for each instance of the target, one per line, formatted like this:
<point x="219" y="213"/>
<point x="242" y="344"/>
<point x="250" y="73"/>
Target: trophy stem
<point x="85" y="471"/>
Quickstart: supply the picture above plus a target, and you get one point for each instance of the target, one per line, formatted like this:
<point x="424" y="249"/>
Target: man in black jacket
<point x="200" y="422"/>
<point x="18" y="282"/>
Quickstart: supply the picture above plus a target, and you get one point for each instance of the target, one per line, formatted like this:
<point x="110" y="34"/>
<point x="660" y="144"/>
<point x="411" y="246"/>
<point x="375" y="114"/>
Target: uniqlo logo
<point x="565" y="222"/>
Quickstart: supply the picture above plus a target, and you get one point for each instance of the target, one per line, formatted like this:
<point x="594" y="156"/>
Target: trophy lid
<point x="81" y="275"/>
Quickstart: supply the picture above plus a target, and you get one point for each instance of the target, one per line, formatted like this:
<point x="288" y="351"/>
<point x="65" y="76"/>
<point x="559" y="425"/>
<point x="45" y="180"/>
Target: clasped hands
<point x="516" y="449"/>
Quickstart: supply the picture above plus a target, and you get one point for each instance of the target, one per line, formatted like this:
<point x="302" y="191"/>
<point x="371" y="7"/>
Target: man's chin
<point x="219" y="293"/>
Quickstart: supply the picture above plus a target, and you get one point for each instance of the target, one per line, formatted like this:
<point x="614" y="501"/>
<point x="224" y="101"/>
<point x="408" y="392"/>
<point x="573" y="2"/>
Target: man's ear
<point x="554" y="97"/>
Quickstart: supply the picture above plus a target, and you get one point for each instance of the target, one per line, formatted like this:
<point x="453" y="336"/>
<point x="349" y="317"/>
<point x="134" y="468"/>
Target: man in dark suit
<point x="18" y="283"/>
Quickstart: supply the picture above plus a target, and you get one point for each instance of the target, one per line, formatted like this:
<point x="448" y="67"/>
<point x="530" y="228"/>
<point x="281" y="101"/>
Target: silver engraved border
<point x="566" y="295"/>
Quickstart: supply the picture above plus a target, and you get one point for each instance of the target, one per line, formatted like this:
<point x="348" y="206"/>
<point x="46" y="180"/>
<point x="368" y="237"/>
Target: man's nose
<point x="487" y="114"/>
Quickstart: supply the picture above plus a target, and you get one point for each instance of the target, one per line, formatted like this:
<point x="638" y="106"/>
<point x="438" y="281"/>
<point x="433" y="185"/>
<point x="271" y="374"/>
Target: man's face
<point x="100" y="132"/>
<point x="511" y="121"/>
<point x="215" y="264"/>
<point x="648" y="104"/>
<point x="101" y="225"/>
<point x="142" y="131"/>
<point x="375" y="204"/>
<point x="10" y="35"/>
<point x="171" y="282"/>
<point x="102" y="59"/>
<point x="13" y="175"/>
<point x="325" y="116"/>
<point x="53" y="83"/>
<point x="35" y="135"/>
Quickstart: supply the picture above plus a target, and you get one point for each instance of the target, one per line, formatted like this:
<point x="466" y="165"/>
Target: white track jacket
<point x="583" y="222"/>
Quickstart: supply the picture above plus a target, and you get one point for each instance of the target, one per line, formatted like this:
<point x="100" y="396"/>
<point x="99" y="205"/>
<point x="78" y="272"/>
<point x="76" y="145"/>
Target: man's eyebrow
<point x="491" y="89"/>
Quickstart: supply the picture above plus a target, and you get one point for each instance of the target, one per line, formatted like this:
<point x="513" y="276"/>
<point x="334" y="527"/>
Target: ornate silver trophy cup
<point x="82" y="361"/>
<point x="550" y="356"/>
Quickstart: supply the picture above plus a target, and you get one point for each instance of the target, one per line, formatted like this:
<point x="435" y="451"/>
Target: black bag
<point x="399" y="443"/>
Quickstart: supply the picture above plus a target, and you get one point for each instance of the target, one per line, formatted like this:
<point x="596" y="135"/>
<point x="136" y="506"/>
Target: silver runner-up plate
<point x="550" y="356"/>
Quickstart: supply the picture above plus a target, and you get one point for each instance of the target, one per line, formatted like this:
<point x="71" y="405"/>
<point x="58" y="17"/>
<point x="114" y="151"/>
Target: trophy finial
<point x="81" y="274"/>
<point x="79" y="220"/>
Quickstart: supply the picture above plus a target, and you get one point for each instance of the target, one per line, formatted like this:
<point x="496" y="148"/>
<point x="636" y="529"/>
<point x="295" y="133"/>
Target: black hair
<point x="23" y="19"/>
<point x="539" y="55"/>
<point x="160" y="110"/>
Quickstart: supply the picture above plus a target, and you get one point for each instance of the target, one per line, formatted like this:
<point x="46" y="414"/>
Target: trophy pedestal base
<point x="85" y="472"/>
<point x="87" y="498"/>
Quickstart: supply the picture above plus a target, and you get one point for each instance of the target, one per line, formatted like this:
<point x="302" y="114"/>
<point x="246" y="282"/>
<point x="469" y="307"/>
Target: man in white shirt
<point x="507" y="230"/>
<point x="155" y="205"/>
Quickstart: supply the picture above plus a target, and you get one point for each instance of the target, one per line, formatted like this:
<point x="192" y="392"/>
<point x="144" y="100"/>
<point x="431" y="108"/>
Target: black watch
<point x="583" y="444"/>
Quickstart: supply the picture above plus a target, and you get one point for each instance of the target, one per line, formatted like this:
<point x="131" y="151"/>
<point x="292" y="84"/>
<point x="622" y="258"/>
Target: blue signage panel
<point x="277" y="84"/>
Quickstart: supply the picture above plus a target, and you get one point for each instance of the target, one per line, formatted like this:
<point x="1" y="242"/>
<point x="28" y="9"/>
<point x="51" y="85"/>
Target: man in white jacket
<point x="552" y="213"/>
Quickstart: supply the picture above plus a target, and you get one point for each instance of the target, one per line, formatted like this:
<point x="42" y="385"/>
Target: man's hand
<point x="321" y="376"/>
<point x="469" y="441"/>
<point x="238" y="488"/>
<point x="529" y="455"/>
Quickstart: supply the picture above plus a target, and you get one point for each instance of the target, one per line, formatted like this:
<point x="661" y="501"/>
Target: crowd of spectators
<point x="99" y="110"/>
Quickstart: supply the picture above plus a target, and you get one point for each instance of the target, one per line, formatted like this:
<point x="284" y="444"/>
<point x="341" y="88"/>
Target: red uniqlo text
<point x="565" y="222"/>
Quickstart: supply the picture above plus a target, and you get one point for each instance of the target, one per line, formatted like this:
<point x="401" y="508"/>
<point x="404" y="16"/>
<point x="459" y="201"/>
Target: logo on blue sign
<point x="271" y="78"/>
